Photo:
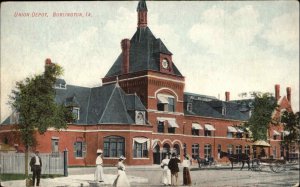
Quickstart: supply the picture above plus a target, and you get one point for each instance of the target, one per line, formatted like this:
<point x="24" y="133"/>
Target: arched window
<point x="247" y="149"/>
<point x="238" y="149"/>
<point x="160" y="126"/>
<point x="195" y="151"/>
<point x="165" y="103"/>
<point x="176" y="149"/>
<point x="141" y="146"/>
<point x="207" y="151"/>
<point x="114" y="146"/>
<point x="229" y="149"/>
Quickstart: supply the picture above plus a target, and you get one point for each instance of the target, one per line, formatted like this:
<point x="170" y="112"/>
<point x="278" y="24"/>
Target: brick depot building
<point x="142" y="112"/>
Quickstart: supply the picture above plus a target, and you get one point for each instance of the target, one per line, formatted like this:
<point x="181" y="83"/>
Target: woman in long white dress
<point x="121" y="180"/>
<point x="99" y="175"/>
<point x="166" y="177"/>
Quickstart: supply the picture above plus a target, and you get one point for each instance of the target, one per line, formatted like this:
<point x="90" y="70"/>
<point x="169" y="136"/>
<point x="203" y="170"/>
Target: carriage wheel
<point x="277" y="166"/>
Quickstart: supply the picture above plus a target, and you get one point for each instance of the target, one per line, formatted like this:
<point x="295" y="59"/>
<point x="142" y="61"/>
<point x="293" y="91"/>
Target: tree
<point x="264" y="104"/>
<point x="291" y="123"/>
<point x="34" y="101"/>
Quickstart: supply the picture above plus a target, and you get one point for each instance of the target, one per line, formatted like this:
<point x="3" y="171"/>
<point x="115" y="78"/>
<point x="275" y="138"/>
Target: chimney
<point x="277" y="91"/>
<point x="48" y="61"/>
<point x="288" y="93"/>
<point x="125" y="45"/>
<point x="227" y="96"/>
<point x="142" y="14"/>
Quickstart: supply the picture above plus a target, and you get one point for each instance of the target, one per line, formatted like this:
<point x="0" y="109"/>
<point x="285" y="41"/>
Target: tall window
<point x="195" y="132"/>
<point x="171" y="106"/>
<point x="140" y="150"/>
<point x="195" y="151"/>
<point x="275" y="152"/>
<point x="114" y="146"/>
<point x="238" y="149"/>
<point x="229" y="134"/>
<point x="207" y="133"/>
<point x="207" y="151"/>
<point x="219" y="150"/>
<point x="165" y="103"/>
<point x="54" y="145"/>
<point x="171" y="130"/>
<point x="247" y="149"/>
<point x="229" y="149"/>
<point x="160" y="127"/>
<point x="79" y="149"/>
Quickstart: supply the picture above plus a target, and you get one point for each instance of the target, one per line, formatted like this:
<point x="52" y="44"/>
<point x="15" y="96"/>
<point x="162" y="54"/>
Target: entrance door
<point x="156" y="155"/>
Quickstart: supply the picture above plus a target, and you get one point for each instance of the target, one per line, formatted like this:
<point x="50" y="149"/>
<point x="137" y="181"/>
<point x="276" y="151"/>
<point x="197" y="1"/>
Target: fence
<point x="15" y="163"/>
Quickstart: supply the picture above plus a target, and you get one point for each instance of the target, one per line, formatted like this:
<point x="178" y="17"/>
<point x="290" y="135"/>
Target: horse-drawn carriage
<point x="257" y="164"/>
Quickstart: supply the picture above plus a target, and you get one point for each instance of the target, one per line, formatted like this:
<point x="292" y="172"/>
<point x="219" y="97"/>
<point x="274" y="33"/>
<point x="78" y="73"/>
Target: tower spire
<point x="142" y="14"/>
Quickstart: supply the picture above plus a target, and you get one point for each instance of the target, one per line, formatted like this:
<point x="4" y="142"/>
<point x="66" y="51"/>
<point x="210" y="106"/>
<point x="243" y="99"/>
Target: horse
<point x="242" y="157"/>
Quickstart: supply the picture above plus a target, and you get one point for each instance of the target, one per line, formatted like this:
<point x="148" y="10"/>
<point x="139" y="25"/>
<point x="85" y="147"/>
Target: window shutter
<point x="83" y="149"/>
<point x="74" y="149"/>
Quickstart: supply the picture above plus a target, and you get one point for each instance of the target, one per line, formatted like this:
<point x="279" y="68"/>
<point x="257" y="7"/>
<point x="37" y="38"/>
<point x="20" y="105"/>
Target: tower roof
<point x="142" y="6"/>
<point x="142" y="54"/>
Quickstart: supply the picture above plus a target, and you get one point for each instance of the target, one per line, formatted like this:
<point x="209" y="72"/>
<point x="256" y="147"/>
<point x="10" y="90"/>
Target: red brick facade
<point x="148" y="85"/>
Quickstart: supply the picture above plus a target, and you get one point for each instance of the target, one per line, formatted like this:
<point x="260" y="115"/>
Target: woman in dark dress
<point x="186" y="171"/>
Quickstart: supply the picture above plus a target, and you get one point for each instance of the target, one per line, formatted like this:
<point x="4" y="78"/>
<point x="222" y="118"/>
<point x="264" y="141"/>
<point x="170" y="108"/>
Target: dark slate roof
<point x="107" y="104"/>
<point x="211" y="107"/>
<point x="142" y="6"/>
<point x="144" y="48"/>
<point x="60" y="81"/>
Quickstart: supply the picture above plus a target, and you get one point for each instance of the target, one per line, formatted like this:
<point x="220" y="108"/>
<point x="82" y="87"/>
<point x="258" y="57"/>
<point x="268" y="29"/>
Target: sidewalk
<point x="75" y="181"/>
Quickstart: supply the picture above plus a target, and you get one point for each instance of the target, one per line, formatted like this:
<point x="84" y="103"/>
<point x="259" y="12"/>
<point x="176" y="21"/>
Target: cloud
<point x="222" y="31"/>
<point x="284" y="31"/>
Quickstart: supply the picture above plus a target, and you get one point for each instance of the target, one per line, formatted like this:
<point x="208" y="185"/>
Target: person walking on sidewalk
<point x="173" y="166"/>
<point x="166" y="177"/>
<point x="186" y="171"/>
<point x="121" y="180"/>
<point x="99" y="175"/>
<point x="36" y="168"/>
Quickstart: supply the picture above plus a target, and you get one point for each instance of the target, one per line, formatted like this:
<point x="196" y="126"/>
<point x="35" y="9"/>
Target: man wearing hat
<point x="99" y="167"/>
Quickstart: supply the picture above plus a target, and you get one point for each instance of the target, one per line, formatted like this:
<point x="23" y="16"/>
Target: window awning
<point x="209" y="127"/>
<point x="162" y="99"/>
<point x="142" y="140"/>
<point x="172" y="123"/>
<point x="276" y="133"/>
<point x="231" y="129"/>
<point x="285" y="133"/>
<point x="239" y="130"/>
<point x="196" y="126"/>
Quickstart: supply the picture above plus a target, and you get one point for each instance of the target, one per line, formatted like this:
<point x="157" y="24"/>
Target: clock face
<point x="165" y="63"/>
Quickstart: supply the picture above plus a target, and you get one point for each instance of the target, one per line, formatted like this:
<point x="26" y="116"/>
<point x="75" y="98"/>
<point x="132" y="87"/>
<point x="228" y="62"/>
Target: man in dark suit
<point x="36" y="168"/>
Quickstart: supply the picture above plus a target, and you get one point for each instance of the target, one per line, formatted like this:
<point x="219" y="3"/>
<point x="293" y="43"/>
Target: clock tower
<point x="146" y="68"/>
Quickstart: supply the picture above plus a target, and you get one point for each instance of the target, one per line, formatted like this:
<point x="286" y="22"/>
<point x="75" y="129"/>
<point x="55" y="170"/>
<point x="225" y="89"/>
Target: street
<point x="143" y="176"/>
<point x="222" y="176"/>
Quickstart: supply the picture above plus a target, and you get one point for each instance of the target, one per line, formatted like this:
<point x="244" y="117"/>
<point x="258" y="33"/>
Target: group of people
<point x="121" y="179"/>
<point x="171" y="169"/>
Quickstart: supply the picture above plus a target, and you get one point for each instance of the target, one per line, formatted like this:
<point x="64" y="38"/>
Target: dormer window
<point x="165" y="103"/>
<point x="140" y="117"/>
<point x="223" y="110"/>
<point x="76" y="112"/>
<point x="60" y="84"/>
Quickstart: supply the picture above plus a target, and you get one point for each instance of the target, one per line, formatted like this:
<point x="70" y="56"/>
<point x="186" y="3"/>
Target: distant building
<point x="142" y="112"/>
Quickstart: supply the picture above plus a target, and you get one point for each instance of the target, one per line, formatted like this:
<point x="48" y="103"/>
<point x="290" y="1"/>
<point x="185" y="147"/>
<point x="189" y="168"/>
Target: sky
<point x="235" y="46"/>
